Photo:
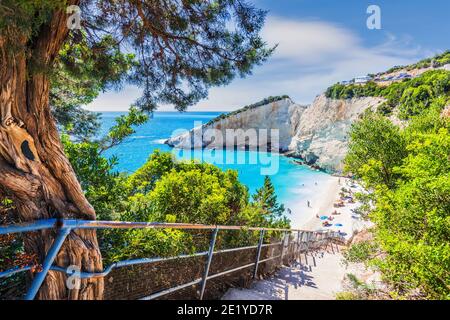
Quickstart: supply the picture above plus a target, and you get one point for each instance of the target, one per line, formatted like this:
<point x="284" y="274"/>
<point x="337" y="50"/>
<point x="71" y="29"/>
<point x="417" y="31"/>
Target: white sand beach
<point x="321" y="204"/>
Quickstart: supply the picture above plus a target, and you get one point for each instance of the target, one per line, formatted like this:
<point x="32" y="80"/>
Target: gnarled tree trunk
<point x="34" y="172"/>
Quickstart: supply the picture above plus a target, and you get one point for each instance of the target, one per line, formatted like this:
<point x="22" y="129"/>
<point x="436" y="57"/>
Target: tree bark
<point x="34" y="171"/>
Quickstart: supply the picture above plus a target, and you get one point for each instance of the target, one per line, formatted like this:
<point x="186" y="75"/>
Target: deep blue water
<point x="292" y="181"/>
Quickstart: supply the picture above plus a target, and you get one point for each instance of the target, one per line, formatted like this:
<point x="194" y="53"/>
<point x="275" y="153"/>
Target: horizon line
<point x="175" y="111"/>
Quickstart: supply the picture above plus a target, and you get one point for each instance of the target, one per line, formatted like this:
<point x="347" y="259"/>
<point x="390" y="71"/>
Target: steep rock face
<point x="246" y="128"/>
<point x="321" y="137"/>
<point x="318" y="133"/>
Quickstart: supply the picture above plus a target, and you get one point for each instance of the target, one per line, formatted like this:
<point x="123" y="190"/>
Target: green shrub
<point x="408" y="171"/>
<point x="360" y="252"/>
<point x="411" y="96"/>
<point x="347" y="295"/>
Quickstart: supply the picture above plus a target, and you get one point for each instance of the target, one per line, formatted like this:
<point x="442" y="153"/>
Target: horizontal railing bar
<point x="10" y="272"/>
<point x="167" y="291"/>
<point x="86" y="224"/>
<point x="28" y="226"/>
<point x="65" y="227"/>
<point x="235" y="249"/>
<point x="271" y="258"/>
<point x="170" y="290"/>
<point x="87" y="275"/>
<point x="272" y="244"/>
<point x="230" y="271"/>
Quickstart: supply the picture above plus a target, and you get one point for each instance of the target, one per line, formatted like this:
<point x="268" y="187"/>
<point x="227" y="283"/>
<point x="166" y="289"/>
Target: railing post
<point x="258" y="253"/>
<point x="308" y="239"/>
<point x="208" y="262"/>
<point x="288" y="245"/>
<point x="282" y="248"/>
<point x="313" y="240"/>
<point x="330" y="236"/>
<point x="332" y="248"/>
<point x="297" y="252"/>
<point x="48" y="261"/>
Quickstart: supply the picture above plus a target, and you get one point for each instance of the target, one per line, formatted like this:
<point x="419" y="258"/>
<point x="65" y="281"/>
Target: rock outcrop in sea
<point x="316" y="133"/>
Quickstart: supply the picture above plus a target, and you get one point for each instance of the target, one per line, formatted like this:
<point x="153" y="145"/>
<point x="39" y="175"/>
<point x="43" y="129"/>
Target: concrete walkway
<point x="318" y="277"/>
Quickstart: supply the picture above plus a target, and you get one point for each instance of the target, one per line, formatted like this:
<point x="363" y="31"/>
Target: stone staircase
<point x="316" y="276"/>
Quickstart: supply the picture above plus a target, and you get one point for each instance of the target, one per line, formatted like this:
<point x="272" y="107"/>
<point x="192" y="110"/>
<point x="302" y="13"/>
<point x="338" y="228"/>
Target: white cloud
<point x="307" y="42"/>
<point x="311" y="55"/>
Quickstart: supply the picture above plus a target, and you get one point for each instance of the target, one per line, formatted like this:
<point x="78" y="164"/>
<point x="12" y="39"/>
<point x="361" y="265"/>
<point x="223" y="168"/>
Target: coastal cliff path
<point x="317" y="276"/>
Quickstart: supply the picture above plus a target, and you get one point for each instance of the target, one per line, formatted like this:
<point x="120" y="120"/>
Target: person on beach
<point x="308" y="203"/>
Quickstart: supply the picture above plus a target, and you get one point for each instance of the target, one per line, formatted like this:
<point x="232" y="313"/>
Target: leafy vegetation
<point x="12" y="253"/>
<point x="166" y="190"/>
<point x="371" y="160"/>
<point x="9" y="246"/>
<point x="346" y="295"/>
<point x="356" y="289"/>
<point x="180" y="50"/>
<point x="174" y="51"/>
<point x="81" y="72"/>
<point x="266" y="200"/>
<point x="436" y="61"/>
<point x="362" y="289"/>
<point x="360" y="252"/>
<point x="410" y="96"/>
<point x="408" y="170"/>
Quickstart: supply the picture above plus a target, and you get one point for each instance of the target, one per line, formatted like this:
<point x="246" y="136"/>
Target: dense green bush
<point x="436" y="61"/>
<point x="376" y="148"/>
<point x="408" y="171"/>
<point x="410" y="96"/>
<point x="360" y="252"/>
<point x="167" y="190"/>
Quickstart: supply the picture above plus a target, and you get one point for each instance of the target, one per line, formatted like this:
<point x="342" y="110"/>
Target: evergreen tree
<point x="175" y="51"/>
<point x="266" y="199"/>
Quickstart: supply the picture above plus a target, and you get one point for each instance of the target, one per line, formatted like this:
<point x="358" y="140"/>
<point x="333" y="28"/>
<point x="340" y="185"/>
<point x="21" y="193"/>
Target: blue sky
<point x="321" y="42"/>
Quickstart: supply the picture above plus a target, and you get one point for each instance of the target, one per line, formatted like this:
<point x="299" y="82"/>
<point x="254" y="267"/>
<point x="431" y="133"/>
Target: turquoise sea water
<point x="293" y="183"/>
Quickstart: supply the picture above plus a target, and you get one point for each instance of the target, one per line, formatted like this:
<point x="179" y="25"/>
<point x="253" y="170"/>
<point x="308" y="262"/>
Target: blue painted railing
<point x="64" y="228"/>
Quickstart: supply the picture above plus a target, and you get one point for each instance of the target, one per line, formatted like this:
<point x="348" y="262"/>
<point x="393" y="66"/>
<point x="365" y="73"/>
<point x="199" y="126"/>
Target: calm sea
<point x="292" y="181"/>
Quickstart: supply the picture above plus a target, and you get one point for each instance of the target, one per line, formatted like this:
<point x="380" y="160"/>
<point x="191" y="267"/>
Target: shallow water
<point x="293" y="183"/>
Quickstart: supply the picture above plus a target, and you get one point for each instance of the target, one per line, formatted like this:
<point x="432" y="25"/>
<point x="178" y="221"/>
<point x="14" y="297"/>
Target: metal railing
<point x="64" y="227"/>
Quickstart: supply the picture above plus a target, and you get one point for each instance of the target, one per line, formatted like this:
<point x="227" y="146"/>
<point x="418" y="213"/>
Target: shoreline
<point x="322" y="195"/>
<point x="322" y="204"/>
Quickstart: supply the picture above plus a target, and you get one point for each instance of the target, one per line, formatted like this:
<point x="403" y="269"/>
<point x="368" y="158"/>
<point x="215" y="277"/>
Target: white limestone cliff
<point x="274" y="115"/>
<point x="317" y="133"/>
<point x="321" y="137"/>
